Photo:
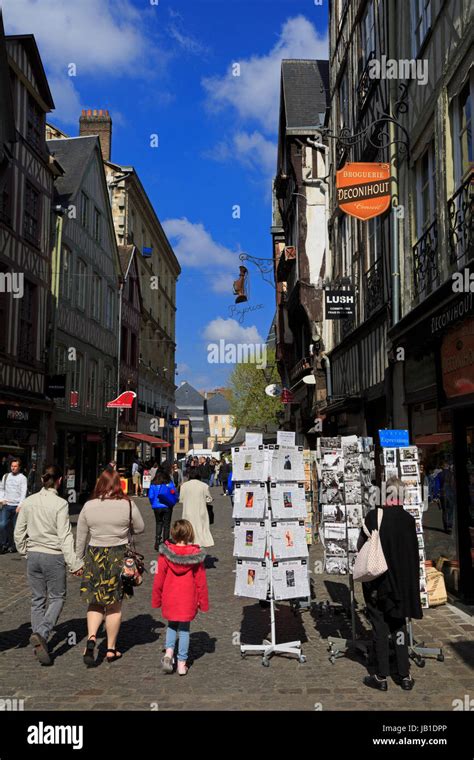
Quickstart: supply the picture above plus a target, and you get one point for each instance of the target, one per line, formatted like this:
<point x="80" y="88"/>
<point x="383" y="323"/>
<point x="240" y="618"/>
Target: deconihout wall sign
<point x="364" y="189"/>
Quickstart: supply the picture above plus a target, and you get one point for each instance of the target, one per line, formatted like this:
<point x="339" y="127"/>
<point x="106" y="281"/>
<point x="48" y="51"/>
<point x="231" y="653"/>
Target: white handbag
<point x="370" y="562"/>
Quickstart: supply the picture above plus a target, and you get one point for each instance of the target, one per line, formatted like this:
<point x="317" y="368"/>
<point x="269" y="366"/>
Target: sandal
<point x="116" y="655"/>
<point x="183" y="672"/>
<point x="88" y="656"/>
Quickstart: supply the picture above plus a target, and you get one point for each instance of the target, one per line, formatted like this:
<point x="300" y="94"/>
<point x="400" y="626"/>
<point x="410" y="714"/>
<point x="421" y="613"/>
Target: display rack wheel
<point x="419" y="661"/>
<point x="265" y="662"/>
<point x="332" y="659"/>
<point x="302" y="658"/>
<point x="243" y="655"/>
<point x="440" y="657"/>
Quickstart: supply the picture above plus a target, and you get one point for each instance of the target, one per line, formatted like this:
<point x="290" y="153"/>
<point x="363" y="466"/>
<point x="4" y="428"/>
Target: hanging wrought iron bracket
<point x="264" y="266"/>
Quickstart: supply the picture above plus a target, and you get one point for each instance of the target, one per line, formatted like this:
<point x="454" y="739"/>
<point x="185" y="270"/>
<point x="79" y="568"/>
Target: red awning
<point x="432" y="440"/>
<point x="146" y="439"/>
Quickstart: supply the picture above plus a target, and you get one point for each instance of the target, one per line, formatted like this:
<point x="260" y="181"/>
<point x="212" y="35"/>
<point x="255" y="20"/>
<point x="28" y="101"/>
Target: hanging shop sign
<point x="286" y="396"/>
<point x="364" y="189"/>
<point x="340" y="304"/>
<point x="394" y="439"/>
<point x="457" y="360"/>
<point x="74" y="399"/>
<point x="56" y="386"/>
<point x="124" y="401"/>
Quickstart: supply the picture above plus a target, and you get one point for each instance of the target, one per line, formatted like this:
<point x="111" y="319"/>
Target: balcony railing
<point x="461" y="223"/>
<point x="366" y="84"/>
<point x="374" y="291"/>
<point x="425" y="262"/>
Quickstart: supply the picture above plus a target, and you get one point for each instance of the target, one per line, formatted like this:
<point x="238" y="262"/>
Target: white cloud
<point x="231" y="331"/>
<point x="66" y="99"/>
<point x="182" y="368"/>
<point x="100" y="38"/>
<point x="195" y="247"/>
<point x="95" y="36"/>
<point x="251" y="149"/>
<point x="255" y="94"/>
<point x="188" y="43"/>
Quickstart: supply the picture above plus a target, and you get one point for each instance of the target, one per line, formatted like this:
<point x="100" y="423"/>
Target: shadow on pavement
<point x="255" y="624"/>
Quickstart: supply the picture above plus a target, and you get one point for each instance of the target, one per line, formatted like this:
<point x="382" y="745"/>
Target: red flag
<point x="124" y="401"/>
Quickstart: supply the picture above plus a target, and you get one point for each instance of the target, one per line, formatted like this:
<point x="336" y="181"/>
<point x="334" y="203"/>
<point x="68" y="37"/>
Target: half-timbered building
<point x="402" y="77"/>
<point x="26" y="189"/>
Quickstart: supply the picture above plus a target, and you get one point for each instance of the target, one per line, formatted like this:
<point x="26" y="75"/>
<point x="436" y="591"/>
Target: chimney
<point x="97" y="122"/>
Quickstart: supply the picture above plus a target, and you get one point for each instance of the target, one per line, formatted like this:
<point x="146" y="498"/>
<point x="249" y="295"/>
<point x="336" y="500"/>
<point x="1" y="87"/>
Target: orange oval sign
<point x="364" y="189"/>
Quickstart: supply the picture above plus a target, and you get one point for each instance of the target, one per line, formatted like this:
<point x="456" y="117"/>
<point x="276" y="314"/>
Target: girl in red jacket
<point x="180" y="588"/>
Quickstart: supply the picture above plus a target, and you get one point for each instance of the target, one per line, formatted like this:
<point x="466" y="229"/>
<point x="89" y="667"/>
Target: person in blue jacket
<point x="163" y="497"/>
<point x="230" y="485"/>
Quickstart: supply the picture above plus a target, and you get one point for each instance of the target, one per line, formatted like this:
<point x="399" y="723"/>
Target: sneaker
<point x="167" y="664"/>
<point x="407" y="684"/>
<point x="182" y="668"/>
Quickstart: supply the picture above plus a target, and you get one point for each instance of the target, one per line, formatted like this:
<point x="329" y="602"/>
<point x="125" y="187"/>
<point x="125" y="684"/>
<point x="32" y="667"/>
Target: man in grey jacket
<point x="43" y="533"/>
<point x="13" y="488"/>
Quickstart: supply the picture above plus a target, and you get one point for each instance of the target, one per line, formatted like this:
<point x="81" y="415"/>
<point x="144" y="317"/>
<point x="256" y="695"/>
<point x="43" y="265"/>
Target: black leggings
<point x="163" y="522"/>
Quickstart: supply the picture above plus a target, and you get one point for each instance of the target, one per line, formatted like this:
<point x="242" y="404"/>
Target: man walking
<point x="43" y="533"/>
<point x="13" y="488"/>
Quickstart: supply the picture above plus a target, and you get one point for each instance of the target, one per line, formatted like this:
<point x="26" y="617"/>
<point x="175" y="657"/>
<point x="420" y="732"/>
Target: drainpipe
<point x="327" y="365"/>
<point x="119" y="349"/>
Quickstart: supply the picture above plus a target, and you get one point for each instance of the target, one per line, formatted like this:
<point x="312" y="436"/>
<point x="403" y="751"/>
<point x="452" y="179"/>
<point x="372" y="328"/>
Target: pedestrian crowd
<point x="110" y="568"/>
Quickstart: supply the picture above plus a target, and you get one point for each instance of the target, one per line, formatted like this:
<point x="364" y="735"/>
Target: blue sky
<point x="166" y="69"/>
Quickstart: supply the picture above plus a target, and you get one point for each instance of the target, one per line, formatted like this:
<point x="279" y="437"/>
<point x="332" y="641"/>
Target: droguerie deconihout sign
<point x="364" y="189"/>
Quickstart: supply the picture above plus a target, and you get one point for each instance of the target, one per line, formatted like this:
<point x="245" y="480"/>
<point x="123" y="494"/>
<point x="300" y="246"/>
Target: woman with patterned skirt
<point x="105" y="521"/>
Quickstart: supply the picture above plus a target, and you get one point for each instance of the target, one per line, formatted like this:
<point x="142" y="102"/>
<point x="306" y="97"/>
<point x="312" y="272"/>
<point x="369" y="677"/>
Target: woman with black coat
<point x="395" y="595"/>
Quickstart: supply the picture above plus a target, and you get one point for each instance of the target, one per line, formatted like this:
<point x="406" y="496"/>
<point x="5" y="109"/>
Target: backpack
<point x="370" y="562"/>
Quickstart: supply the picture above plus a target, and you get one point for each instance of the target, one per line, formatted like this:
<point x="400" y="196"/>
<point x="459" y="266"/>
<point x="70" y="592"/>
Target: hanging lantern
<point x="240" y="286"/>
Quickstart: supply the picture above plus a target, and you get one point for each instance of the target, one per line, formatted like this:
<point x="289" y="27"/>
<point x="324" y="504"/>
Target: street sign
<point x="394" y="439"/>
<point x="364" y="189"/>
<point x="174" y="422"/>
<point x="340" y="304"/>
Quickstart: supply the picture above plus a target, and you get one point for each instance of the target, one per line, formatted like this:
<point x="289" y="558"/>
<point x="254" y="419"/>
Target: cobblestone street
<point x="219" y="678"/>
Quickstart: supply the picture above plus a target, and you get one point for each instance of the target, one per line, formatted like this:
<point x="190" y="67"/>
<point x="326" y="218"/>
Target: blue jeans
<point x="183" y="643"/>
<point x="7" y="526"/>
<point x="211" y="479"/>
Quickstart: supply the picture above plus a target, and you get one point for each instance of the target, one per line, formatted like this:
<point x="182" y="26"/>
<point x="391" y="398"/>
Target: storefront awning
<point x="432" y="440"/>
<point x="144" y="438"/>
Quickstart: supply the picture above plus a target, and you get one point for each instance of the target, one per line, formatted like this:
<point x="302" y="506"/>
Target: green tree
<point x="250" y="406"/>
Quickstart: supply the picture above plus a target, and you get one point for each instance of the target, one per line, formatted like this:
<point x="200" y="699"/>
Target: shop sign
<point x="174" y="422"/>
<point x="457" y="360"/>
<point x="394" y="439"/>
<point x="452" y="313"/>
<point x="364" y="189"/>
<point x="74" y="399"/>
<point x="56" y="386"/>
<point x="124" y="401"/>
<point x="16" y="416"/>
<point x="71" y="479"/>
<point x="340" y="304"/>
<point x="93" y="437"/>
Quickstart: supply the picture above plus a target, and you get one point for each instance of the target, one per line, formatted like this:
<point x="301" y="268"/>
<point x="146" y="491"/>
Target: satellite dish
<point x="273" y="390"/>
<point x="309" y="380"/>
